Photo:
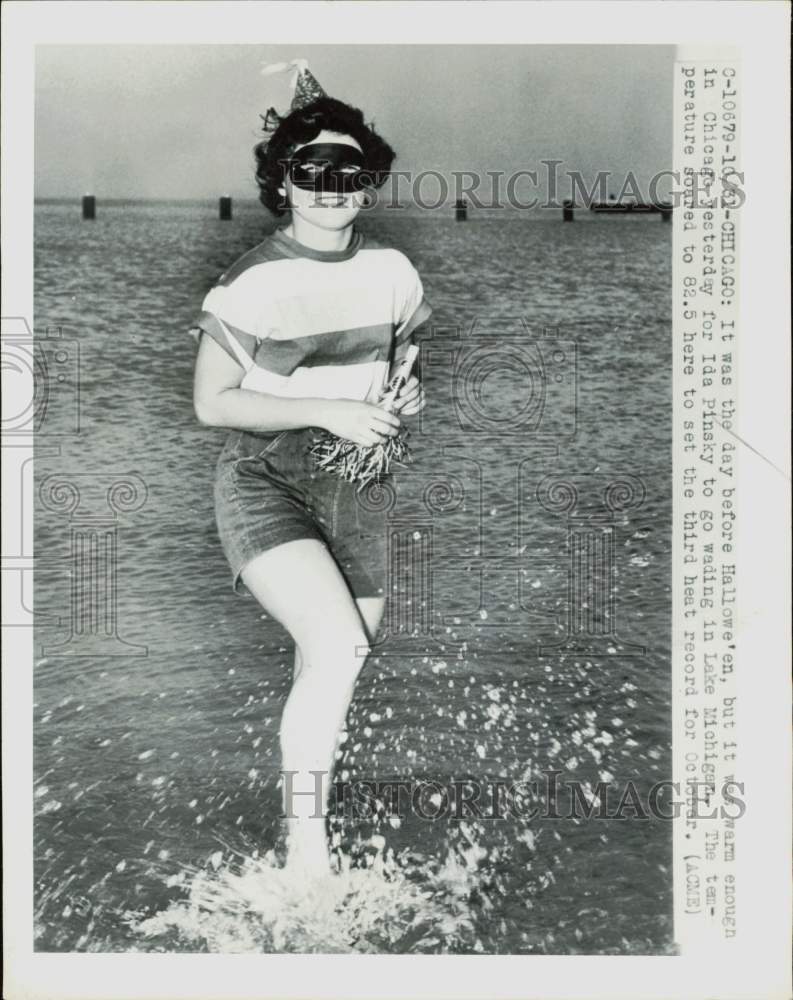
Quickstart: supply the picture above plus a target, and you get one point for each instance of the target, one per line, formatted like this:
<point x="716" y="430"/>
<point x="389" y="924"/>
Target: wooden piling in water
<point x="567" y="211"/>
<point x="225" y="207"/>
<point x="89" y="206"/>
<point x="460" y="210"/>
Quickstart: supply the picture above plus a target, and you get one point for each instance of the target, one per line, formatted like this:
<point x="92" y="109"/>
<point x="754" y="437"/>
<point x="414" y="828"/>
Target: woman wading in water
<point x="302" y="333"/>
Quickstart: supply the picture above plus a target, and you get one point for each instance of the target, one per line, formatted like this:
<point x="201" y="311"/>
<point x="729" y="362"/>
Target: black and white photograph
<point x="379" y="523"/>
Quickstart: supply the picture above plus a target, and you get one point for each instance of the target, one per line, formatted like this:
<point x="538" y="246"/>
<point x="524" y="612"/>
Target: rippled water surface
<point x="156" y="755"/>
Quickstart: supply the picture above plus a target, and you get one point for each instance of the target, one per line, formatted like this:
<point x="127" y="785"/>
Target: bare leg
<point x="371" y="611"/>
<point x="300" y="585"/>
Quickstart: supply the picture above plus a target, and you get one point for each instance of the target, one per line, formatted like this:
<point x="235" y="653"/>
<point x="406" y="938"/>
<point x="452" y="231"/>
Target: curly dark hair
<point x="303" y="125"/>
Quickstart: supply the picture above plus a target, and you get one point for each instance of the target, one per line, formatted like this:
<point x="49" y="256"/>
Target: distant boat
<point x="629" y="207"/>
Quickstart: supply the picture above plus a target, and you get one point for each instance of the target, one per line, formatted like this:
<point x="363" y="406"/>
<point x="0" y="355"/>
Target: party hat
<point x="304" y="89"/>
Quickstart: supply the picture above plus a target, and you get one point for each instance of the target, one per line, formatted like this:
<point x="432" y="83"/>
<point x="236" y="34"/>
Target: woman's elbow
<point x="206" y="412"/>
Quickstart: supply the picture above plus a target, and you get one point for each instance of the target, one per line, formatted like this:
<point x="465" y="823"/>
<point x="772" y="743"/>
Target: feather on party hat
<point x="304" y="90"/>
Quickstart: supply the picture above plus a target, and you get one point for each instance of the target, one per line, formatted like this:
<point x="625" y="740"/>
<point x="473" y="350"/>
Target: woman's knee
<point x="336" y="649"/>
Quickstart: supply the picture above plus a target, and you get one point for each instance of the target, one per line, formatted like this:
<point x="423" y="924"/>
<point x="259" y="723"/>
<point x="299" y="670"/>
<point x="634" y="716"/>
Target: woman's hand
<point x="363" y="423"/>
<point x="410" y="398"/>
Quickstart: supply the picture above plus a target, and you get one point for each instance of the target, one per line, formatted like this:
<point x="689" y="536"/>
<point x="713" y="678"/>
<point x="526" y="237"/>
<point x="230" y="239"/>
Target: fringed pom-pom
<point x="357" y="463"/>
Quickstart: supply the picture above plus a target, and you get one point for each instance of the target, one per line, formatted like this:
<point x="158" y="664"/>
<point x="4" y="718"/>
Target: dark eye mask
<point x="331" y="167"/>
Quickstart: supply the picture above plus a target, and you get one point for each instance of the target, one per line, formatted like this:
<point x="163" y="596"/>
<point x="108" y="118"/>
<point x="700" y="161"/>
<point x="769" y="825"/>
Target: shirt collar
<point x="301" y="250"/>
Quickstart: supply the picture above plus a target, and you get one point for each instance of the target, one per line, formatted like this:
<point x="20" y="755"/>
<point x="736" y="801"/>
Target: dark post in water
<point x="89" y="206"/>
<point x="225" y="207"/>
<point x="460" y="210"/>
<point x="567" y="211"/>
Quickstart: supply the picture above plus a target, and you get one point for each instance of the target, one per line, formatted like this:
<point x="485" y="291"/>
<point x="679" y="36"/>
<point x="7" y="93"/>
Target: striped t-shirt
<point x="315" y="323"/>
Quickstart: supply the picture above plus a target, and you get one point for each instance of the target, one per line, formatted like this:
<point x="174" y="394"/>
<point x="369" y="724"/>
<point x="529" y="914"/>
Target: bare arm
<point x="219" y="402"/>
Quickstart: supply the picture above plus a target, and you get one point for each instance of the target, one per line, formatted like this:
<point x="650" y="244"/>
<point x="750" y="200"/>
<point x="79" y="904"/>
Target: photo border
<point x="758" y="965"/>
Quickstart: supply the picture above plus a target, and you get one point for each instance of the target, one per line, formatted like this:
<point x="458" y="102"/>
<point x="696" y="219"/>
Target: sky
<point x="167" y="121"/>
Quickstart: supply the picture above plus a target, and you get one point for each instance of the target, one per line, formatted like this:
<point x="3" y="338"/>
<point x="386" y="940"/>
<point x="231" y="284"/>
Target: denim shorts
<point x="268" y="491"/>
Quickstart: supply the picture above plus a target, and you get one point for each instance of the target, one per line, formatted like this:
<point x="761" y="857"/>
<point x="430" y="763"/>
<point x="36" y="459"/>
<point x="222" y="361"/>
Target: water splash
<point x="391" y="903"/>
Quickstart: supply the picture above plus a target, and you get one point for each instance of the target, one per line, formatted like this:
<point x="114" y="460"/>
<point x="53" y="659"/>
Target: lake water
<point x="156" y="755"/>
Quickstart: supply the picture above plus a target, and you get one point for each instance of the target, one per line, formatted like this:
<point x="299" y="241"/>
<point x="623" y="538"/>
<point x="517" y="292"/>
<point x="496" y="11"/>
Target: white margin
<point x="760" y="31"/>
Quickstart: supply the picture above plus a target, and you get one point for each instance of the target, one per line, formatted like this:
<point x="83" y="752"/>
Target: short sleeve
<point x="220" y="320"/>
<point x="415" y="308"/>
